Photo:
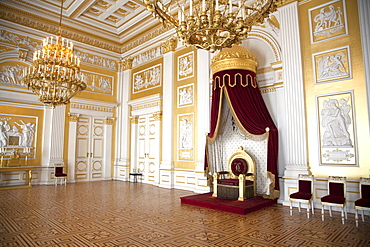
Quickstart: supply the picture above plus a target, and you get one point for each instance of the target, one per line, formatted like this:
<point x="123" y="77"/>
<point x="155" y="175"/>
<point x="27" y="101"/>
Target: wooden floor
<point x="115" y="213"/>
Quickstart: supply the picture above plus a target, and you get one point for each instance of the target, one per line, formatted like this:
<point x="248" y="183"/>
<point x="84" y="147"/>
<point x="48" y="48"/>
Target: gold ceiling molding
<point x="39" y="24"/>
<point x="141" y="39"/>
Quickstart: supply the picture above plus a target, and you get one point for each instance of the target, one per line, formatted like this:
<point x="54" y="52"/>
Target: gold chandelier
<point x="55" y="73"/>
<point x="212" y="24"/>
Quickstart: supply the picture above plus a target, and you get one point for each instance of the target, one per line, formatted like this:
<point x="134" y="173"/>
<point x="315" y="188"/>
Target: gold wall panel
<point x="355" y="83"/>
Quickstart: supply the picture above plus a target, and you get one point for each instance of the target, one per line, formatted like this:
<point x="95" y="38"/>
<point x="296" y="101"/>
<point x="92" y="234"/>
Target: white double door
<point x="147" y="148"/>
<point x="90" y="146"/>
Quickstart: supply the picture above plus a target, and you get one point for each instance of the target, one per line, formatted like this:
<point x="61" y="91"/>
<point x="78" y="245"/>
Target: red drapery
<point x="248" y="109"/>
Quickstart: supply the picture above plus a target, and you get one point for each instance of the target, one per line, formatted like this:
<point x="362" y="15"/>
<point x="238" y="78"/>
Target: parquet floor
<point x="115" y="213"/>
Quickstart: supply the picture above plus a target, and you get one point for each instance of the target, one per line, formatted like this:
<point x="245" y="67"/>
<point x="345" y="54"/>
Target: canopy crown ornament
<point x="55" y="74"/>
<point x="212" y="24"/>
<point x="236" y="57"/>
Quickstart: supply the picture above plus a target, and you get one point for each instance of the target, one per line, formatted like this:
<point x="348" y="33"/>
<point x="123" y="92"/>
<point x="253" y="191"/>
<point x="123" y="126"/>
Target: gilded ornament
<point x="236" y="57"/>
<point x="169" y="45"/>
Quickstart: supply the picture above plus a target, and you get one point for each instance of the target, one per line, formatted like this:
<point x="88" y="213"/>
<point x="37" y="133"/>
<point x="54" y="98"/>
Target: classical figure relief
<point x="12" y="138"/>
<point x="11" y="75"/>
<point x="185" y="140"/>
<point x="186" y="132"/>
<point x="336" y="120"/>
<point x="328" y="21"/>
<point x="332" y="65"/>
<point x="186" y="66"/>
<point x="100" y="84"/>
<point x="147" y="79"/>
<point x="185" y="95"/>
<point x="337" y="134"/>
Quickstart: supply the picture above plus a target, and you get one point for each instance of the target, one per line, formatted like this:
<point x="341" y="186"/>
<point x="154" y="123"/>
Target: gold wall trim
<point x="92" y="107"/>
<point x="269" y="42"/>
<point x="169" y="45"/>
<point x="73" y="117"/>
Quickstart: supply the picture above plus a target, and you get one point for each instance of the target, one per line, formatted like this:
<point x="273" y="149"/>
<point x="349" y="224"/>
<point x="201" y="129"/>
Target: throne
<point x="238" y="182"/>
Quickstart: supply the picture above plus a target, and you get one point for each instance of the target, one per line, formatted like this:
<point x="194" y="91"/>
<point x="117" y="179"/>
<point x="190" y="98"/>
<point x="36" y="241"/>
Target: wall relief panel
<point x="337" y="134"/>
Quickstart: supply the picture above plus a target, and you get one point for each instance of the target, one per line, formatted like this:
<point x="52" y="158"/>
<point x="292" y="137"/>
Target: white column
<point x="296" y="152"/>
<point x="72" y="147"/>
<point x="53" y="139"/>
<point x="203" y="116"/>
<point x="107" y="149"/>
<point x="364" y="10"/>
<point x="167" y="121"/>
<point x="296" y="141"/>
<point x="121" y="164"/>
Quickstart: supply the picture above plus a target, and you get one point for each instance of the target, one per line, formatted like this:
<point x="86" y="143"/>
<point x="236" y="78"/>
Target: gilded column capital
<point x="169" y="45"/>
<point x="157" y="116"/>
<point x="108" y="120"/>
<point x="125" y="63"/>
<point x="134" y="119"/>
<point x="73" y="117"/>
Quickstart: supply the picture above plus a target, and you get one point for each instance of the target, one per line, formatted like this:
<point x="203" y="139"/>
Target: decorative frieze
<point x="11" y="75"/>
<point x="147" y="56"/>
<point x="125" y="63"/>
<point x="91" y="107"/>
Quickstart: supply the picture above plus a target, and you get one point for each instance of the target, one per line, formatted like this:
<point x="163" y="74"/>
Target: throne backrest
<point x="241" y="163"/>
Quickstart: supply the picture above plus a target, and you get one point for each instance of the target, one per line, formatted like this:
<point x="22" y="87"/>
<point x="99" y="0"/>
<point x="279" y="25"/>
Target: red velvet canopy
<point x="248" y="109"/>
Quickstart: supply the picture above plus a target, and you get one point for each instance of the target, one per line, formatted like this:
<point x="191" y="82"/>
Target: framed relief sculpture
<point x="337" y="135"/>
<point x="185" y="66"/>
<point x="185" y="137"/>
<point x="332" y="65"/>
<point x="328" y="21"/>
<point x="147" y="79"/>
<point x="185" y="95"/>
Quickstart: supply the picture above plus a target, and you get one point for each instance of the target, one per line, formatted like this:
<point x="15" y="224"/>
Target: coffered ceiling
<point x="111" y="21"/>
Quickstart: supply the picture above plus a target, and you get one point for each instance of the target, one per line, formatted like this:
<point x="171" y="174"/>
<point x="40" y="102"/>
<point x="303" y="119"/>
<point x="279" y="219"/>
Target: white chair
<point x="364" y="202"/>
<point x="336" y="197"/>
<point x="304" y="194"/>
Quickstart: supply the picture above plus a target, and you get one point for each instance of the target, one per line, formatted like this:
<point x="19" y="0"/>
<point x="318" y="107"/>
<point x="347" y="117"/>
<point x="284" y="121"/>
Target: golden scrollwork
<point x="134" y="119"/>
<point x="157" y="116"/>
<point x="108" y="120"/>
<point x="169" y="45"/>
<point x="125" y="64"/>
<point x="236" y="57"/>
<point x="73" y="117"/>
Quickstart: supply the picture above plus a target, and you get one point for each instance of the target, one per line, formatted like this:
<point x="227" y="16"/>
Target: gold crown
<point x="236" y="57"/>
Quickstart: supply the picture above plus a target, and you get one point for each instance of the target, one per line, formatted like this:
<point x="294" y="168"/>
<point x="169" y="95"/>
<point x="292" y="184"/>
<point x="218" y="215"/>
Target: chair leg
<point x="299" y="207"/>
<point x="362" y="214"/>
<point x="313" y="210"/>
<point x="345" y="211"/>
<point x="291" y="208"/>
<point x="330" y="212"/>
<point x="308" y="211"/>
<point x="322" y="212"/>
<point x="356" y="217"/>
<point x="342" y="214"/>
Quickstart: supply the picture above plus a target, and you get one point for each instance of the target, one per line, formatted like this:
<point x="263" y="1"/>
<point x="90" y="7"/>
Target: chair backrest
<point x="305" y="183"/>
<point x="365" y="188"/>
<point x="337" y="186"/>
<point x="241" y="162"/>
<point x="58" y="170"/>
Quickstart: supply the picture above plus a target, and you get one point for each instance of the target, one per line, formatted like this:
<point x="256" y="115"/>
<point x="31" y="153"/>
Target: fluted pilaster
<point x="296" y="146"/>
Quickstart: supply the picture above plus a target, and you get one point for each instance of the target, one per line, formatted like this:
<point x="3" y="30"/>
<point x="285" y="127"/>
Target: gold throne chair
<point x="238" y="182"/>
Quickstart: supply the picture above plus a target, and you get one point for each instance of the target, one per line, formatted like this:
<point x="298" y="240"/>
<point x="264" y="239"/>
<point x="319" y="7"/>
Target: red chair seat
<point x="60" y="175"/>
<point x="334" y="199"/>
<point x="363" y="202"/>
<point x="301" y="195"/>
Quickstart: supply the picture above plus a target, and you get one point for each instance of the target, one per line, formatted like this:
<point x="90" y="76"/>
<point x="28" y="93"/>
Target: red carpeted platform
<point x="233" y="206"/>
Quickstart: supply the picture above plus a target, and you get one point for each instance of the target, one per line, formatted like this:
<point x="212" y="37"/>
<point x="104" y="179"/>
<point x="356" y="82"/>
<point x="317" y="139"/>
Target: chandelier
<point x="55" y="73"/>
<point x="212" y="24"/>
